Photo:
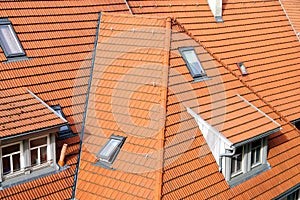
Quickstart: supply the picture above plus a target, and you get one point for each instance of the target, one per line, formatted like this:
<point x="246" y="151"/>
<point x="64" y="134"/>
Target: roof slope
<point x="191" y="171"/>
<point x="292" y="10"/>
<point x="58" y="37"/>
<point x="21" y="112"/>
<point x="125" y="99"/>
<point x="254" y="32"/>
<point x="121" y="102"/>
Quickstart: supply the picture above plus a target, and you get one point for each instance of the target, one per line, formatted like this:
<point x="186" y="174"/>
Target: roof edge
<point x="164" y="97"/>
<point x="290" y="22"/>
<point x="266" y="134"/>
<point x="86" y="106"/>
<point x="31" y="132"/>
<point x="46" y="105"/>
<point x="129" y="9"/>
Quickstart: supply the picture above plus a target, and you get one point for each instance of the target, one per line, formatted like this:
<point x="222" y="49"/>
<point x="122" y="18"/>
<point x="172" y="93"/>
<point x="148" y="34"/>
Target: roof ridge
<point x="235" y="75"/>
<point x="164" y="97"/>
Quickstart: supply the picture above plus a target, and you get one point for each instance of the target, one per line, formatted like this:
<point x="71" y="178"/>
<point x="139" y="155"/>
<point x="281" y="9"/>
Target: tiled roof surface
<point x="58" y="38"/>
<point x="190" y="170"/>
<point x="21" y="112"/>
<point x="128" y="73"/>
<point x="254" y="32"/>
<point x="292" y="10"/>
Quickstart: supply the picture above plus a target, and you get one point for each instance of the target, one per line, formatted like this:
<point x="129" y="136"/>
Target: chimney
<point x="216" y="9"/>
<point x="61" y="161"/>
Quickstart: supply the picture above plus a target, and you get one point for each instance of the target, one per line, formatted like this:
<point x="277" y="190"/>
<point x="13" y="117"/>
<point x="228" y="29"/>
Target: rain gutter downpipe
<point x="226" y="155"/>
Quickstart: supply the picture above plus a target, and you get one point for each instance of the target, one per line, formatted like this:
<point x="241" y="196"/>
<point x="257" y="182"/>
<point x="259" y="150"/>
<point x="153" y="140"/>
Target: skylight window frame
<point x="108" y="160"/>
<point x="6" y="22"/>
<point x="242" y="68"/>
<point x="182" y="51"/>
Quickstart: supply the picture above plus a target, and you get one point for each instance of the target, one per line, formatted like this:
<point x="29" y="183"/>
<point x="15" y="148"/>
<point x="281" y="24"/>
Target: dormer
<point x="27" y="138"/>
<point x="240" y="153"/>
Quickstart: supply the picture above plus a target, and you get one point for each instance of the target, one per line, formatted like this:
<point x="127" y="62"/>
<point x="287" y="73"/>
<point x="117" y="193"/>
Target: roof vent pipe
<point x="216" y="9"/>
<point x="61" y="161"/>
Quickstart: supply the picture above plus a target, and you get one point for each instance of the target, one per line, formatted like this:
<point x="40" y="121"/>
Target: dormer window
<point x="38" y="150"/>
<point x="9" y="41"/>
<point x="242" y="68"/>
<point x="11" y="159"/>
<point x="25" y="156"/>
<point x="192" y="61"/>
<point x="249" y="159"/>
<point x="64" y="131"/>
<point x="236" y="162"/>
<point x="256" y="148"/>
<point x="110" y="150"/>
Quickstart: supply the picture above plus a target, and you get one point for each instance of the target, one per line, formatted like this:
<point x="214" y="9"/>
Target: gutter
<point x="288" y="192"/>
<point x="86" y="107"/>
<point x="31" y="132"/>
<point x="226" y="155"/>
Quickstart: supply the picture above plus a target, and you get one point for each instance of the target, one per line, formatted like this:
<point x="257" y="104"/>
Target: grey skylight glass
<point x="192" y="61"/>
<point x="9" y="40"/>
<point x="111" y="149"/>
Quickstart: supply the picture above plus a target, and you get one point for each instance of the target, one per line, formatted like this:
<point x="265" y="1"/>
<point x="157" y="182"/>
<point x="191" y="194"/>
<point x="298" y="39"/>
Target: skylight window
<point x="109" y="152"/>
<point x="9" y="40"/>
<point x="192" y="61"/>
<point x="64" y="131"/>
<point x="242" y="68"/>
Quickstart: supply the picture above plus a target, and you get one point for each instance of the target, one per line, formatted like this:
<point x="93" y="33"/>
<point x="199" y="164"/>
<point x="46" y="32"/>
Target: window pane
<point x="16" y="162"/>
<point x="10" y="149"/>
<point x="239" y="162"/>
<point x="110" y="148"/>
<point x="34" y="156"/>
<point x="6" y="165"/>
<point x="256" y="144"/>
<point x="193" y="61"/>
<point x="236" y="161"/>
<point x="43" y="157"/>
<point x="38" y="142"/>
<point x="255" y="152"/>
<point x="257" y="155"/>
<point x="9" y="41"/>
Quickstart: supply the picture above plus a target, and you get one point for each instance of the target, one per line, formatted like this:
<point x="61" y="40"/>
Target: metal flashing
<point x="86" y="106"/>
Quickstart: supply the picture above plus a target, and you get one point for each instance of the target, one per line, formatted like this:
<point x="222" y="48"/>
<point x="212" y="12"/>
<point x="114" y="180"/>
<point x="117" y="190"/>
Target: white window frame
<point x="246" y="165"/>
<point x="233" y="174"/>
<point x="22" y="161"/>
<point x="49" y="158"/>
